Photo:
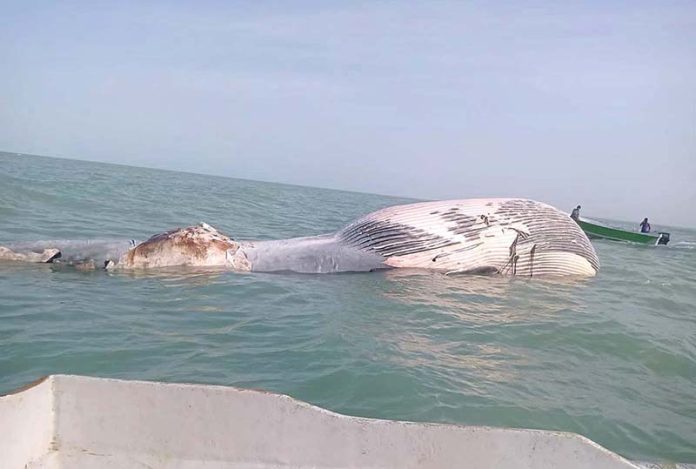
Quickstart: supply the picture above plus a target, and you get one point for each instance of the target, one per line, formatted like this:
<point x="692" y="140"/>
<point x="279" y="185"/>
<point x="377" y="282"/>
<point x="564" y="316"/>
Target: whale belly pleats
<point x="509" y="236"/>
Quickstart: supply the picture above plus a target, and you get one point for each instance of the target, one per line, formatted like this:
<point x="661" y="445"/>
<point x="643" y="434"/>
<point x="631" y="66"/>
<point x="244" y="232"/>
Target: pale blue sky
<point x="589" y="102"/>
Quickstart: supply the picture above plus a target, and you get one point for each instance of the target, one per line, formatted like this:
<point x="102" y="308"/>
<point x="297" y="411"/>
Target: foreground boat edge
<point x="83" y="422"/>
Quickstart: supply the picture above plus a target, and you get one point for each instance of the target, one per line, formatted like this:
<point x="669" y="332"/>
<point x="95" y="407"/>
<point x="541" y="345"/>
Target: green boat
<point x="596" y="230"/>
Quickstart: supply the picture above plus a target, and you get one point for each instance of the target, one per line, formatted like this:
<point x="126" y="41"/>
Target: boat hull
<point x="597" y="231"/>
<point x="79" y="422"/>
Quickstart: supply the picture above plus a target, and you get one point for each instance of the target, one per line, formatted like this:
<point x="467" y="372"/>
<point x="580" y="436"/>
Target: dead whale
<point x="516" y="237"/>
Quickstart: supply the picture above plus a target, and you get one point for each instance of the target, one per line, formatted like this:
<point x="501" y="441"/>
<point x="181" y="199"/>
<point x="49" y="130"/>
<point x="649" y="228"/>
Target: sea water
<point x="612" y="358"/>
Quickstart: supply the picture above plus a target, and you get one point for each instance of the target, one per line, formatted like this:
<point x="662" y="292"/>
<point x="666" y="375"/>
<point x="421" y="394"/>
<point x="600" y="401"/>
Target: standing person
<point x="645" y="226"/>
<point x="575" y="215"/>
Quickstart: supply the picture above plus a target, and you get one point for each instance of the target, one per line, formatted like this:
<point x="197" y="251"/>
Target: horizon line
<point x="414" y="199"/>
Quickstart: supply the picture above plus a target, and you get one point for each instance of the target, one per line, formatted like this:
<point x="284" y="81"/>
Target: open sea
<point x="612" y="358"/>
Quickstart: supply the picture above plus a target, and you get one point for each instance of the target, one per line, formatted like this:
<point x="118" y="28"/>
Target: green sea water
<point x="612" y="358"/>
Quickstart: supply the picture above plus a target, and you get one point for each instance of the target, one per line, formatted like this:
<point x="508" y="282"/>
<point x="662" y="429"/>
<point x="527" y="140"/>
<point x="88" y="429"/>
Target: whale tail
<point x="46" y="255"/>
<point x="78" y="253"/>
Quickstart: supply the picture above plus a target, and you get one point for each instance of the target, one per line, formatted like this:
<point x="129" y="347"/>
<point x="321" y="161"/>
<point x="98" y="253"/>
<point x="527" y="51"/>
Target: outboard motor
<point x="663" y="239"/>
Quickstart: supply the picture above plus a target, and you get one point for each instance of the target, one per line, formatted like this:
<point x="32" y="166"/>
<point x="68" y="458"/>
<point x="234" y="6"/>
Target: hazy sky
<point x="590" y="102"/>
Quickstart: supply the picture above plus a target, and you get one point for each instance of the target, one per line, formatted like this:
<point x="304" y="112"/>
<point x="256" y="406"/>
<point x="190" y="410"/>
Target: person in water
<point x="645" y="226"/>
<point x="575" y="215"/>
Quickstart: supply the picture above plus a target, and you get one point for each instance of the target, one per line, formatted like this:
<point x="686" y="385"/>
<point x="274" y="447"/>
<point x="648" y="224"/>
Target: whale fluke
<point x="45" y="256"/>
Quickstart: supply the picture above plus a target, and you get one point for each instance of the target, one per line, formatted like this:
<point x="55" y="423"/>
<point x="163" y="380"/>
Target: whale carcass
<point x="485" y="236"/>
